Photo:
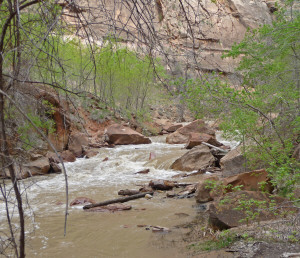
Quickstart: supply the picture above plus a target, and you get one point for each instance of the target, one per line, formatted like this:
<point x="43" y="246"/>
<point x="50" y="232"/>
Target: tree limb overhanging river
<point x="93" y="234"/>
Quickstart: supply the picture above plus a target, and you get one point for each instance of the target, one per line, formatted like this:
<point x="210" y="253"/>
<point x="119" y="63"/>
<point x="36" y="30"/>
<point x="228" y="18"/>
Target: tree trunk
<point x="121" y="199"/>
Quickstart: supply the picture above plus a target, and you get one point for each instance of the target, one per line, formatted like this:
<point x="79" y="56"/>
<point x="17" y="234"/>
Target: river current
<point x="93" y="234"/>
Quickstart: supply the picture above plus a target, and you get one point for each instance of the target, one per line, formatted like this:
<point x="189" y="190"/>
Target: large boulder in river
<point x="197" y="158"/>
<point x="76" y="143"/>
<point x="197" y="139"/>
<point x="234" y="162"/>
<point x="38" y="167"/>
<point x="183" y="134"/>
<point x="120" y="135"/>
<point x="68" y="156"/>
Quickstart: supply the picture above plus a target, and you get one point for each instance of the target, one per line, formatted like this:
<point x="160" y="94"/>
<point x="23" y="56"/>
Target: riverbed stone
<point x="77" y="142"/>
<point x="40" y="166"/>
<point x="122" y="135"/>
<point x="183" y="134"/>
<point x="197" y="158"/>
<point x="196" y="139"/>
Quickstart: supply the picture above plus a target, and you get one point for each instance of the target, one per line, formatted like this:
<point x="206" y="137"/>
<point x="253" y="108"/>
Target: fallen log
<point x="121" y="199"/>
<point x="217" y="148"/>
<point x="128" y="192"/>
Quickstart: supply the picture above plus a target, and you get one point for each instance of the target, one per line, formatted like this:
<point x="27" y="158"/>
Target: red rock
<point x="224" y="215"/>
<point x="82" y="200"/>
<point x="250" y="181"/>
<point x="182" y="135"/>
<point x="121" y="135"/>
<point x="105" y="159"/>
<point x="90" y="153"/>
<point x="197" y="138"/>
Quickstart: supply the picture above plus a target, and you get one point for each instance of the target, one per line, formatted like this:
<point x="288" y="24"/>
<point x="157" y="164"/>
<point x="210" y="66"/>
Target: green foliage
<point x="224" y="239"/>
<point x="263" y="112"/>
<point x="25" y="131"/>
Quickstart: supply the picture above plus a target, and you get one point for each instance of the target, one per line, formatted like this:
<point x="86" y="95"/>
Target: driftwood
<point x="121" y="199"/>
<point x="128" y="192"/>
<point x="217" y="148"/>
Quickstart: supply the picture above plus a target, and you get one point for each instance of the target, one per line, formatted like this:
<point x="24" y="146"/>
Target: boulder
<point x="82" y="200"/>
<point x="197" y="158"/>
<point x="68" y="156"/>
<point x="54" y="168"/>
<point x="250" y="181"/>
<point x="230" y="211"/>
<point x="197" y="138"/>
<point x="38" y="167"/>
<point x="121" y="135"/>
<point x="144" y="171"/>
<point x="182" y="135"/>
<point x="172" y="128"/>
<point x="234" y="162"/>
<point x="76" y="143"/>
<point x="111" y="208"/>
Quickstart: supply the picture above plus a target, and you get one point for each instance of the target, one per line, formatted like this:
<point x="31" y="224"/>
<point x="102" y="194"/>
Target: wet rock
<point x="82" y="200"/>
<point x="111" y="208"/>
<point x="162" y="184"/>
<point x="38" y="167"/>
<point x="145" y="171"/>
<point x="182" y="135"/>
<point x="121" y="135"/>
<point x="128" y="192"/>
<point x="105" y="159"/>
<point x="90" y="153"/>
<point x="225" y="213"/>
<point x="156" y="229"/>
<point x="188" y="190"/>
<point x="54" y="168"/>
<point x="234" y="163"/>
<point x="197" y="139"/>
<point x="76" y="143"/>
<point x="68" y="156"/>
<point x="198" y="158"/>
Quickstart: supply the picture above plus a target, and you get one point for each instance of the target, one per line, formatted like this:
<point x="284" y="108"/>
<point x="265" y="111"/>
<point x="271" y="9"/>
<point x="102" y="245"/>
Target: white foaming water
<point x="90" y="176"/>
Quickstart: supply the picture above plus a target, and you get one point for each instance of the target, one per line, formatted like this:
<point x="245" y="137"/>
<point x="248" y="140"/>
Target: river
<point x="93" y="234"/>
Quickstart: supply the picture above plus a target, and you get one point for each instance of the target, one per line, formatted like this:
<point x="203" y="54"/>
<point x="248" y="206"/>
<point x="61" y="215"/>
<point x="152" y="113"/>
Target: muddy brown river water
<point x="92" y="234"/>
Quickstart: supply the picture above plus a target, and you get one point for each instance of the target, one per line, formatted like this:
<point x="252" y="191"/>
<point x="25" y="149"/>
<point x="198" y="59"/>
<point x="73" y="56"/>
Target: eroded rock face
<point x="224" y="215"/>
<point x="198" y="158"/>
<point x="121" y="135"/>
<point x="183" y="134"/>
